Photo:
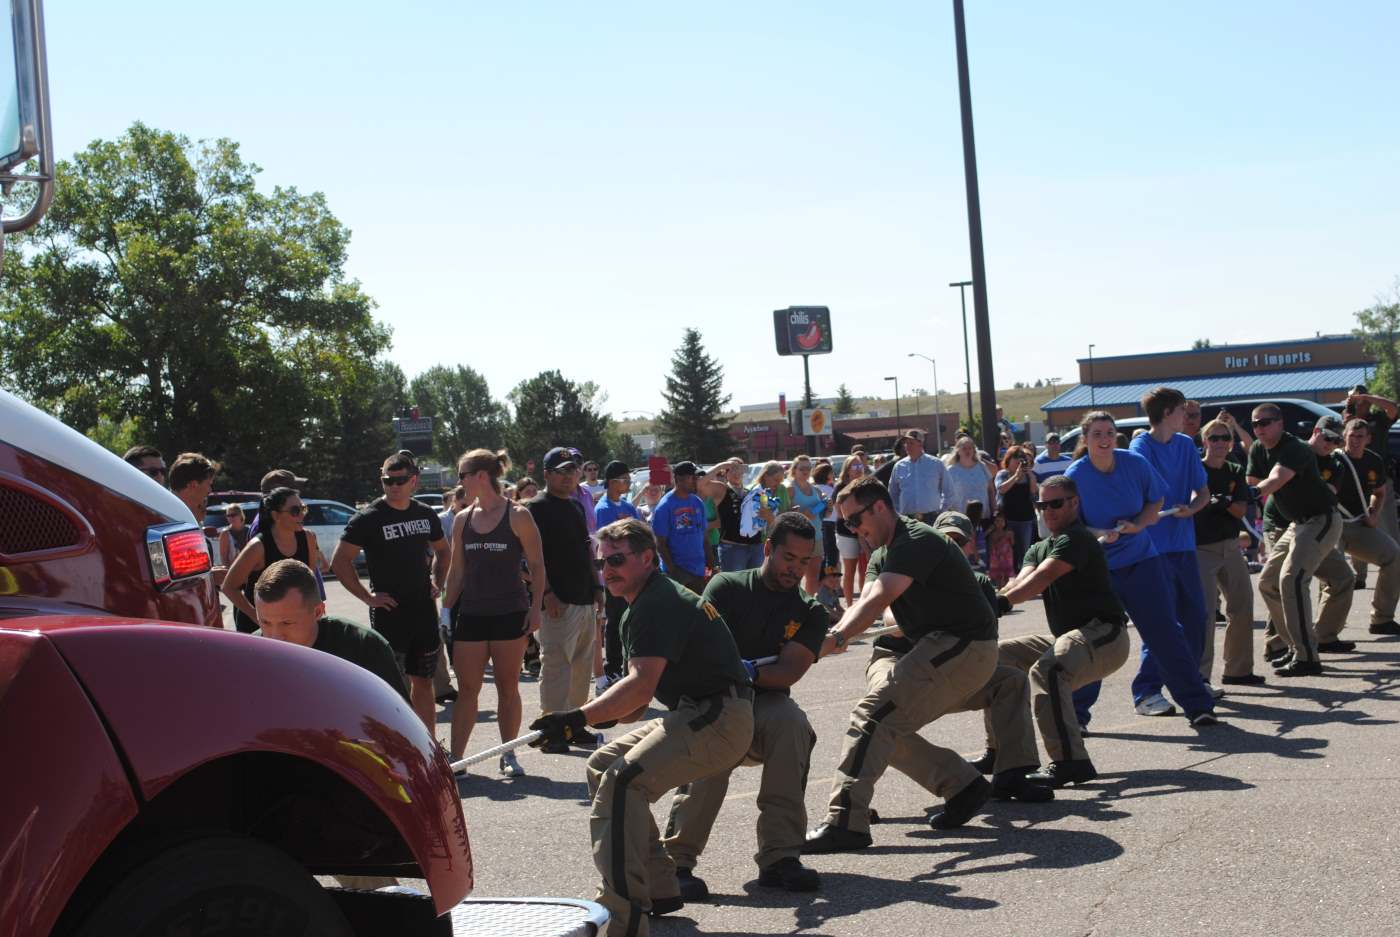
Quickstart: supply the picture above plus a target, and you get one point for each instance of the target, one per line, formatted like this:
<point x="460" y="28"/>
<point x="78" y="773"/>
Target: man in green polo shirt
<point x="1284" y="469"/>
<point x="1088" y="639"/>
<point x="290" y="609"/>
<point x="769" y="616"/>
<point x="678" y="650"/>
<point x="919" y="578"/>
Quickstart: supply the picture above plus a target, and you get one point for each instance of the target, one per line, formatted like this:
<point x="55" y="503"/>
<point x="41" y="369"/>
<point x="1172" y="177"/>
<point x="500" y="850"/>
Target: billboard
<point x="802" y="330"/>
<point x="816" y="422"/>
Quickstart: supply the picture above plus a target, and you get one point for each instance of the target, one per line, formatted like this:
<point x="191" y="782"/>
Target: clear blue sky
<point x="570" y="185"/>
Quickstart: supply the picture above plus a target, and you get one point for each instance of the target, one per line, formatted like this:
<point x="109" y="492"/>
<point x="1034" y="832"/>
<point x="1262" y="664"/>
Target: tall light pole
<point x="1092" y="402"/>
<point x="962" y="286"/>
<point x="937" y="406"/>
<point x="897" y="433"/>
<point x="985" y="378"/>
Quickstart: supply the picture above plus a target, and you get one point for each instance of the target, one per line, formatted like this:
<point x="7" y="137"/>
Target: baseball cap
<point x="685" y="468"/>
<point x="830" y="571"/>
<point x="1052" y="437"/>
<point x="281" y="478"/>
<point x="915" y="434"/>
<point x="560" y="456"/>
<point x="1331" y="428"/>
<point x="954" y="522"/>
<point x="615" y="469"/>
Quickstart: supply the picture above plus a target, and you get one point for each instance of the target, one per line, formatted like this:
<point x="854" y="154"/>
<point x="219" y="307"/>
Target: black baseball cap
<point x="685" y="468"/>
<point x="560" y="456"/>
<point x="1330" y="427"/>
<point x="615" y="469"/>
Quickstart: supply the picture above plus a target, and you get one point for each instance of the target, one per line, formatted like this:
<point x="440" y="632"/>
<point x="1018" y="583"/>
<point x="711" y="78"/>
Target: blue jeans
<point x="736" y="557"/>
<point x="1184" y="576"/>
<point x="1023" y="534"/>
<point x="1147" y="592"/>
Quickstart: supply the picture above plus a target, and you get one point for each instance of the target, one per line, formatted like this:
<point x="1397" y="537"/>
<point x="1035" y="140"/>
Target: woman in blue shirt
<point x="1120" y="494"/>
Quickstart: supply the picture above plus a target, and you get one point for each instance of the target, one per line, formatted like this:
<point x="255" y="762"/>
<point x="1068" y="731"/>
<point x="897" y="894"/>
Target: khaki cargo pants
<point x="1369" y="545"/>
<point x="1284" y="583"/>
<point x="903" y="694"/>
<point x="1223" y="570"/>
<point x="782" y="744"/>
<point x="1057" y="667"/>
<point x="628" y="775"/>
<point x="566" y="657"/>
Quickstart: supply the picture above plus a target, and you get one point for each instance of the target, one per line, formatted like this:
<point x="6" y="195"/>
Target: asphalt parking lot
<point x="1280" y="820"/>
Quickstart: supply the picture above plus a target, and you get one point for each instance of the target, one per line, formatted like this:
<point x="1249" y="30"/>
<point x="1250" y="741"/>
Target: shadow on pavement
<point x="1229" y="739"/>
<point x="491" y="786"/>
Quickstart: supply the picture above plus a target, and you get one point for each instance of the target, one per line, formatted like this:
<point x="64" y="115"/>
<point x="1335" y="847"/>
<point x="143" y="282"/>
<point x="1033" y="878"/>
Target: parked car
<point x="433" y="501"/>
<point x="325" y="519"/>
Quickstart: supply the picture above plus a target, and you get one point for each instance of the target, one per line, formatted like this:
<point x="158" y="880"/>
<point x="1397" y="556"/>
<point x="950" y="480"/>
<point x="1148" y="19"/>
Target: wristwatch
<point x="838" y="637"/>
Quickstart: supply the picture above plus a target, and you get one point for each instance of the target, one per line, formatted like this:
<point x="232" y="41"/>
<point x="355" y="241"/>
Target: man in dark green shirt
<point x="290" y="609"/>
<point x="1088" y="639"/>
<point x="678" y="650"/>
<point x="921" y="580"/>
<point x="1285" y="470"/>
<point x="779" y="631"/>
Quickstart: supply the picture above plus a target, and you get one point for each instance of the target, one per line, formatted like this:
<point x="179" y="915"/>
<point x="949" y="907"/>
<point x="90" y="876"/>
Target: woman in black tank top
<point x="280" y="537"/>
<point x="495" y="614"/>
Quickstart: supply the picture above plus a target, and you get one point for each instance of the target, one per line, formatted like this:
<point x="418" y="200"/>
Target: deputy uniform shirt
<point x="360" y="646"/>
<point x="1333" y="469"/>
<point x="1179" y="464"/>
<point x="668" y="620"/>
<point x="1371" y="473"/>
<point x="568" y="553"/>
<point x="1084" y="593"/>
<point x="1380" y="429"/>
<point x="1306" y="494"/>
<point x="944" y="595"/>
<point x="396" y="546"/>
<point x="1214" y="523"/>
<point x="761" y="619"/>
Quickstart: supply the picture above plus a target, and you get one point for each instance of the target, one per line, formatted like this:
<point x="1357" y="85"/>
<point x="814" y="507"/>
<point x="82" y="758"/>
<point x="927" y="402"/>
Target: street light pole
<point x="937" y="406"/>
<point x="897" y="433"/>
<point x="1091" y="375"/>
<point x="962" y="286"/>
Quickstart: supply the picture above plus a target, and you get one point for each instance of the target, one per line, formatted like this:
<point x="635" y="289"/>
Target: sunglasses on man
<point x="1264" y="420"/>
<point x="612" y="559"/>
<point x="856" y="518"/>
<point x="395" y="480"/>
<point x="1054" y="504"/>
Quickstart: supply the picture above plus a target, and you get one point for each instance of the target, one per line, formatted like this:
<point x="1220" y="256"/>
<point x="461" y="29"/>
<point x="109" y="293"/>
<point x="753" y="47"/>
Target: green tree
<point x="464" y="415"/>
<point x="623" y="447"/>
<point x="1378" y="327"/>
<point x="845" y="403"/>
<point x="692" y="425"/>
<point x="1200" y="344"/>
<point x="354" y="434"/>
<point x="164" y="288"/>
<point x="551" y="410"/>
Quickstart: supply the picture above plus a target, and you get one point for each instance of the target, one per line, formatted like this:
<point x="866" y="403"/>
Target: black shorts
<point x="509" y="626"/>
<point x="412" y="631"/>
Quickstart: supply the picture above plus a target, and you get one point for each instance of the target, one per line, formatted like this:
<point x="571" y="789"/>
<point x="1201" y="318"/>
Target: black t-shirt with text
<point x="1215" y="523"/>
<point x="1084" y="594"/>
<point x="944" y="595"/>
<point x="568" y="552"/>
<point x="396" y="547"/>
<point x="668" y="620"/>
<point x="1306" y="494"/>
<point x="761" y="619"/>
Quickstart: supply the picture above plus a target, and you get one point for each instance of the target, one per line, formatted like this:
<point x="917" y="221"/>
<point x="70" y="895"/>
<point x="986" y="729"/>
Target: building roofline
<point x="1224" y="348"/>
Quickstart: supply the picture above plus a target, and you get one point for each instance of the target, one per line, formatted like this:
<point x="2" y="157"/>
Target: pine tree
<point x="845" y="403"/>
<point x="692" y="425"/>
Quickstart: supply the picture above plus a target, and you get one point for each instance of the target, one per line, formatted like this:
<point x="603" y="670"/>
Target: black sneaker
<point x="1202" y="719"/>
<point x="1337" y="647"/>
<point x="986" y="763"/>
<point x="828" y="838"/>
<point x="962" y="806"/>
<point x="555" y="748"/>
<point x="1275" y="655"/>
<point x="446" y="696"/>
<point x="1385" y="627"/>
<point x="790" y="875"/>
<point x="1244" y="679"/>
<point x="693" y="888"/>
<point x="1014" y="784"/>
<point x="1279" y="663"/>
<point x="1300" y="668"/>
<point x="1060" y="773"/>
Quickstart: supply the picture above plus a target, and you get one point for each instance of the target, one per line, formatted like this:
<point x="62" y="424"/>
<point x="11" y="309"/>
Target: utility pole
<point x="962" y="286"/>
<point x="897" y="433"/>
<point x="986" y="379"/>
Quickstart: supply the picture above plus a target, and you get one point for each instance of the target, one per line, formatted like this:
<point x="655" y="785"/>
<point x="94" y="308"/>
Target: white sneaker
<point x="510" y="767"/>
<point x="1215" y="691"/>
<point x="1154" y="705"/>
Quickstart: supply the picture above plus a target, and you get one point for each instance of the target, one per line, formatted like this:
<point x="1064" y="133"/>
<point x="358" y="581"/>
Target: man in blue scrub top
<point x="1120" y="494"/>
<point x="1173" y="454"/>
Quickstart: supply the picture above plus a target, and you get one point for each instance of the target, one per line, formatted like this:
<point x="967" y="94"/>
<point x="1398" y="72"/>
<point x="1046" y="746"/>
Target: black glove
<point x="558" y="728"/>
<point x="1003" y="605"/>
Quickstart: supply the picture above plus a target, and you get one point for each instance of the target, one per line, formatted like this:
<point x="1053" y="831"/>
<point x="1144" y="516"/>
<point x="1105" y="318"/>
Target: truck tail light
<point x="178" y="553"/>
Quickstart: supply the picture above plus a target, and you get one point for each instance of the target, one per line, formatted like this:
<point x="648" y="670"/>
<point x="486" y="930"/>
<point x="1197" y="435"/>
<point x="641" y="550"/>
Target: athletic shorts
<point x="849" y="547"/>
<point x="509" y="626"/>
<point x="412" y="631"/>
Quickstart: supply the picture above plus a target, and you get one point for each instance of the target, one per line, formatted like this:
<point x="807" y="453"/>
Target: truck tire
<point x="220" y="885"/>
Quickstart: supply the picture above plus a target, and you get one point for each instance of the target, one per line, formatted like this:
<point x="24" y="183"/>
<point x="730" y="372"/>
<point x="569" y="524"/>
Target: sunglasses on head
<point x="1054" y="504"/>
<point x="1264" y="420"/>
<point x="395" y="480"/>
<point x="1219" y="437"/>
<point x="612" y="559"/>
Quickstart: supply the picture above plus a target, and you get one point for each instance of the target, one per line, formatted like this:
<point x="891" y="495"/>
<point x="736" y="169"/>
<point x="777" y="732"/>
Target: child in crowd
<point x="974" y="514"/>
<point x="999" y="551"/>
<point x="829" y="592"/>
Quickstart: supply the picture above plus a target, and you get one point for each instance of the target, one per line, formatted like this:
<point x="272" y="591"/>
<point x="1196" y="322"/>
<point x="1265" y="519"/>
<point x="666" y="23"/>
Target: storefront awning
<point x="1229" y="387"/>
